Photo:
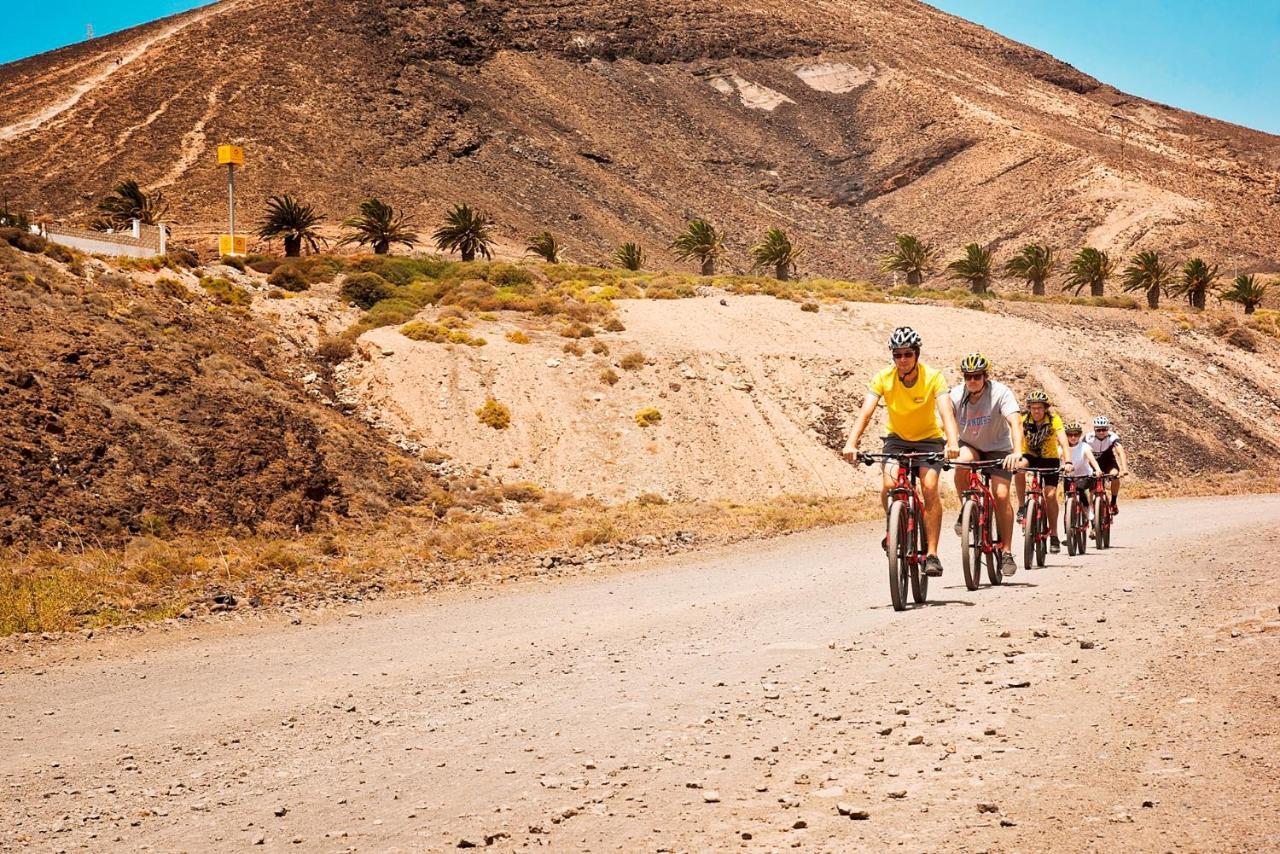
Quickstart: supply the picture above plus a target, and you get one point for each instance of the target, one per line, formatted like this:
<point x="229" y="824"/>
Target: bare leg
<point x="1004" y="510"/>
<point x="1051" y="507"/>
<point x="1020" y="480"/>
<point x="932" y="507"/>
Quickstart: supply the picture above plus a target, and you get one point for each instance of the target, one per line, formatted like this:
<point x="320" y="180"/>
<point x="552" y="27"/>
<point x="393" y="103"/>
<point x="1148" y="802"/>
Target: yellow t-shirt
<point x="913" y="412"/>
<point x="1041" y="440"/>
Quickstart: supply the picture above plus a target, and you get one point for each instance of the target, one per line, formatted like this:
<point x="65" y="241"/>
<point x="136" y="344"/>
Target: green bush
<point x="366" y="289"/>
<point x="225" y="292"/>
<point x="263" y="263"/>
<point x="402" y="270"/>
<point x="508" y="276"/>
<point x="171" y="287"/>
<point x="437" y="333"/>
<point x="288" y="277"/>
<point x="335" y="349"/>
<point x="233" y="262"/>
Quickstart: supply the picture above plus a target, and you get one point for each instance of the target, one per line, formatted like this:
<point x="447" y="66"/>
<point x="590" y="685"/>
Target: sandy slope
<point x="755" y="394"/>
<point x="730" y="700"/>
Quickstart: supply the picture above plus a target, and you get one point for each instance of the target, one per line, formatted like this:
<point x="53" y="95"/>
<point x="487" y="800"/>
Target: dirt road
<point x="1125" y="700"/>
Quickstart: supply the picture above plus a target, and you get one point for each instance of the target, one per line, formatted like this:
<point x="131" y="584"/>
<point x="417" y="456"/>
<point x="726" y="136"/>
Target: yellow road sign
<point x="230" y="155"/>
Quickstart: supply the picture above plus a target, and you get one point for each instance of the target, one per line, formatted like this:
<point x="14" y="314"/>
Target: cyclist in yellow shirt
<point x="1044" y="445"/>
<point x="921" y="419"/>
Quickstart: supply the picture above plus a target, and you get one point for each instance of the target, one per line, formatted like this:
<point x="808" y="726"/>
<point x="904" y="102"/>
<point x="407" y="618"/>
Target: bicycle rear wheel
<point x="898" y="550"/>
<point x="995" y="574"/>
<point x="1082" y="527"/>
<point x="971" y="544"/>
<point x="919" y="581"/>
<point x="1073" y="547"/>
<point x="1106" y="522"/>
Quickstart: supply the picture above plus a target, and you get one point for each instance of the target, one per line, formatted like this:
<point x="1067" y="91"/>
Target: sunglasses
<point x="903" y="354"/>
<point x="974" y="377"/>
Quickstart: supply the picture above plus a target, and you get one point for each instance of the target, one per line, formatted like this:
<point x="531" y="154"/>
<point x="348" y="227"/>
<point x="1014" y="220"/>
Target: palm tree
<point x="380" y="226"/>
<point x="1147" y="273"/>
<point x="701" y="241"/>
<point x="1198" y="281"/>
<point x="467" y="232"/>
<point x="129" y="202"/>
<point x="776" y="251"/>
<point x="294" y="222"/>
<point x="1033" y="263"/>
<point x="974" y="268"/>
<point x="1247" y="291"/>
<point x="911" y="257"/>
<point x="629" y="256"/>
<point x="1089" y="267"/>
<point x="545" y="246"/>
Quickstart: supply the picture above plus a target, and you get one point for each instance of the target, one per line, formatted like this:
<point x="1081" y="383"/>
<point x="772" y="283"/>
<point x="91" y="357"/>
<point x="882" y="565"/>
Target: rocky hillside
<point x="605" y="121"/>
<point x="136" y="403"/>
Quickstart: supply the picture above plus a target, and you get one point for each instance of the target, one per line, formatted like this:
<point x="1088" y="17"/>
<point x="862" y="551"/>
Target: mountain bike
<point x="1076" y="513"/>
<point x="1102" y="511"/>
<point x="978" y="525"/>
<point x="905" y="540"/>
<point x="1035" y="525"/>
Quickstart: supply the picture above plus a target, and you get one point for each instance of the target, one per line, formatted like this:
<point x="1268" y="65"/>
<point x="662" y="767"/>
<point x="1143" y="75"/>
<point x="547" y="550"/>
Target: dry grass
<point x="419" y="548"/>
<point x="494" y="414"/>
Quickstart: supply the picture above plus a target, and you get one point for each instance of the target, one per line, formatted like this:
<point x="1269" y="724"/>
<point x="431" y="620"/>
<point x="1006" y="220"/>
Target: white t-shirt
<point x="1106" y="443"/>
<point x="1079" y="465"/>
<point x="983" y="420"/>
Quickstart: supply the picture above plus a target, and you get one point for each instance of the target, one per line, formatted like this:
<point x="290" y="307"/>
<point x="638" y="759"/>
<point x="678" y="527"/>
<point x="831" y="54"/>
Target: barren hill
<point x="843" y="122"/>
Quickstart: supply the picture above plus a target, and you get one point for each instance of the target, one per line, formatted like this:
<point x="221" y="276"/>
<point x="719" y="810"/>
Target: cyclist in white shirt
<point x="990" y="428"/>
<point x="1083" y="464"/>
<point x="1106" y="447"/>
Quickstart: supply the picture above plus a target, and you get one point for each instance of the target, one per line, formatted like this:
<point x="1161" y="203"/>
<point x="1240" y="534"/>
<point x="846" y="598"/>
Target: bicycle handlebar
<point x="912" y="456"/>
<point x="977" y="464"/>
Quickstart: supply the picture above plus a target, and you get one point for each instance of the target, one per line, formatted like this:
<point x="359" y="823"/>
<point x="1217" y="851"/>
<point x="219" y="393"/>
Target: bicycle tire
<point x="1029" y="536"/>
<point x="1098" y="539"/>
<point x="970" y="544"/>
<point x="1106" y="523"/>
<point x="897" y="531"/>
<point x="995" y="574"/>
<point x="1073" y="547"/>
<point x="919" y="581"/>
<point x="1042" y="536"/>
<point x="1082" y="529"/>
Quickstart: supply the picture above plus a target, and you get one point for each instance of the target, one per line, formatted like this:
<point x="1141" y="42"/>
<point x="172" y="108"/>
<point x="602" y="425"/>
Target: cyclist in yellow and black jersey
<point x="1044" y="445"/>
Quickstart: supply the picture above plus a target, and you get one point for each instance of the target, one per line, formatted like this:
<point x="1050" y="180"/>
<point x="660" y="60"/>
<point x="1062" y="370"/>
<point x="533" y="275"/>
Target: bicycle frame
<point x="979" y="489"/>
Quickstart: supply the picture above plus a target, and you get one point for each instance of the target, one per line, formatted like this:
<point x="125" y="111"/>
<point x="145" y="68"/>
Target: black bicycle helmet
<point x="905" y="336"/>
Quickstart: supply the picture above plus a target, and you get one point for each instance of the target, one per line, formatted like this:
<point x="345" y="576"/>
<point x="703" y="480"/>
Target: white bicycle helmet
<point x="1102" y="421"/>
<point x="904" y="336"/>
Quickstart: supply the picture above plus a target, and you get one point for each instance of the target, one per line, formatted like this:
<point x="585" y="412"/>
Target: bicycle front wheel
<point x="1082" y="527"/>
<point x="919" y="581"/>
<point x="1029" y="536"/>
<point x="971" y="544"/>
<point x="899" y="549"/>
<point x="1073" y="547"/>
<point x="1042" y="535"/>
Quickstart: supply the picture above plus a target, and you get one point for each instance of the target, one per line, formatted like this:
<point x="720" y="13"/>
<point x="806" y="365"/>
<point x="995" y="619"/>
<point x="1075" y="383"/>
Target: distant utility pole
<point x="88" y="31"/>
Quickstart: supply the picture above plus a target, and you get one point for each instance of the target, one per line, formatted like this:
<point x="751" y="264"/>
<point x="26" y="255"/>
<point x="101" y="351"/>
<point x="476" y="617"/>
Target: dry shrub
<point x="600" y="348"/>
<point x="573" y="348"/>
<point x="517" y="337"/>
<point x="523" y="492"/>
<point x="633" y="361"/>
<point x="609" y="376"/>
<point x="171" y="287"/>
<point x="596" y="533"/>
<point x="809" y="306"/>
<point x="577" y="330"/>
<point x="334" y="349"/>
<point x="1242" y="338"/>
<point x="436" y="333"/>
<point x="613" y="324"/>
<point x="494" y="414"/>
<point x="650" y="499"/>
<point x="648" y="416"/>
<point x="1159" y="335"/>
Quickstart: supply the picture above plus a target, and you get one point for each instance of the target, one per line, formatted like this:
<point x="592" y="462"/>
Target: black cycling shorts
<point x="1048" y="478"/>
<point x="1107" y="460"/>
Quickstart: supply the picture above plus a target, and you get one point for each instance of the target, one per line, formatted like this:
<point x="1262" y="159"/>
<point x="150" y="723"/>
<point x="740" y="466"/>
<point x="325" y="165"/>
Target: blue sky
<point x="1221" y="59"/>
